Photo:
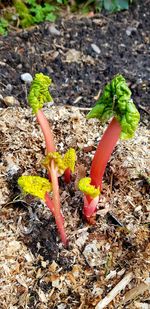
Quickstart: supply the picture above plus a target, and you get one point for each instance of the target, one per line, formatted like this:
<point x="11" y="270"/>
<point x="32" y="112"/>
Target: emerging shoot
<point x="115" y="103"/>
<point x="55" y="164"/>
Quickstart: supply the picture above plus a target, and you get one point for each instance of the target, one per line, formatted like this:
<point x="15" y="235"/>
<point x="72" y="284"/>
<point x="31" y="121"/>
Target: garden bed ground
<point x="36" y="271"/>
<point x="78" y="69"/>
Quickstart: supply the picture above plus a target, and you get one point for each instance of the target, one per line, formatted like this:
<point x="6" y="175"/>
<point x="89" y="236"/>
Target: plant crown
<point x="85" y="186"/>
<point x="60" y="162"/>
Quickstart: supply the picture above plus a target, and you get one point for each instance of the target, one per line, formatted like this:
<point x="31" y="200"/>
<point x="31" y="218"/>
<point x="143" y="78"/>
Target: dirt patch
<point x="78" y="69"/>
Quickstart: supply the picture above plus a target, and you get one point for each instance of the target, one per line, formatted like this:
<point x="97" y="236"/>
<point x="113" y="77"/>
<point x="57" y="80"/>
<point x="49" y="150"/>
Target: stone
<point x="130" y="30"/>
<point x="95" y="48"/>
<point x="9" y="87"/>
<point x="52" y="29"/>
<point x="11" y="101"/>
<point x="27" y="78"/>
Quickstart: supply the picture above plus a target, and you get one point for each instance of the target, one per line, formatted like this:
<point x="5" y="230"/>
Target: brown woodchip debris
<point x="35" y="270"/>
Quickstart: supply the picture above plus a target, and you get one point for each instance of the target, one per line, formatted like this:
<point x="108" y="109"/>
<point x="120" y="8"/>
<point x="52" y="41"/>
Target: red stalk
<point x="90" y="207"/>
<point x="99" y="162"/>
<point x="104" y="151"/>
<point x="67" y="175"/>
<point x="49" y="202"/>
<point x="53" y="205"/>
<point x="56" y="201"/>
<point x="46" y="129"/>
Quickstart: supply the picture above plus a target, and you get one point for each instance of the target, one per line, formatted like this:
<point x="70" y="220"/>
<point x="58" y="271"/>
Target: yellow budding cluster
<point x="85" y="186"/>
<point x="60" y="162"/>
<point x="70" y="159"/>
<point x="35" y="185"/>
<point x="38" y="186"/>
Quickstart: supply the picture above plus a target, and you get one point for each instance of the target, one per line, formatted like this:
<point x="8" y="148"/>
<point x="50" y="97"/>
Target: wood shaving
<point x="36" y="271"/>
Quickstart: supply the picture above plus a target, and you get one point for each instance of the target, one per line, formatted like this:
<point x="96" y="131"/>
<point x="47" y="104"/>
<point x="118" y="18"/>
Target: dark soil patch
<point x="123" y="40"/>
<point x="42" y="240"/>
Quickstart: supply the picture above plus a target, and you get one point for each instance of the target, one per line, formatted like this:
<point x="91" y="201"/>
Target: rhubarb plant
<point x="115" y="104"/>
<point x="55" y="163"/>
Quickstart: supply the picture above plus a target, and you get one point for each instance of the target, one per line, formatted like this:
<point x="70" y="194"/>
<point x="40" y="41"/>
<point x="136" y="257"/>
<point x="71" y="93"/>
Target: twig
<point x="84" y="108"/>
<point x="113" y="293"/>
<point x="133" y="293"/>
<point x="144" y="109"/>
<point x="84" y="229"/>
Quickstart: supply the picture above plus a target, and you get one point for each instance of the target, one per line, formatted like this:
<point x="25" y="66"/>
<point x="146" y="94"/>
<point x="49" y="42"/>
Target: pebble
<point x="139" y="81"/>
<point x="9" y="87"/>
<point x="11" y="101"/>
<point x="130" y="30"/>
<point x="53" y="30"/>
<point x="82" y="239"/>
<point x="95" y="48"/>
<point x="19" y="66"/>
<point x="27" y="78"/>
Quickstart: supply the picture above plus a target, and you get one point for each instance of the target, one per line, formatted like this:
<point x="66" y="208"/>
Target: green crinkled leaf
<point x="116" y="101"/>
<point x="115" y="5"/>
<point x="39" y="92"/>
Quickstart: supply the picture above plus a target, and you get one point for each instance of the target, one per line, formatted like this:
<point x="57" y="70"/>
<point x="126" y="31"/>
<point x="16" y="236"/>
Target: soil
<point x="77" y="70"/>
<point x="36" y="270"/>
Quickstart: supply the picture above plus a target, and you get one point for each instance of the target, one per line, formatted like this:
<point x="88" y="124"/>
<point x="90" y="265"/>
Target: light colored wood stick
<point x="133" y="293"/>
<point x="113" y="293"/>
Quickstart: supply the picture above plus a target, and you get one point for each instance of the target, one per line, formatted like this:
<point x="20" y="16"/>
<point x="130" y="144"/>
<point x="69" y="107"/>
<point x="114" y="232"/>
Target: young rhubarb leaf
<point x="39" y="92"/>
<point x="116" y="102"/>
<point x="35" y="185"/>
<point x="58" y="161"/>
<point x="85" y="186"/>
<point x="70" y="159"/>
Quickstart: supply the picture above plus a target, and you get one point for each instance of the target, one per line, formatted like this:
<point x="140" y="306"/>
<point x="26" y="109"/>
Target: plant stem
<point x="49" y="203"/>
<point x="56" y="201"/>
<point x="53" y="205"/>
<point x="103" y="152"/>
<point x="90" y="206"/>
<point x="46" y="129"/>
<point x="67" y="175"/>
<point x="101" y="157"/>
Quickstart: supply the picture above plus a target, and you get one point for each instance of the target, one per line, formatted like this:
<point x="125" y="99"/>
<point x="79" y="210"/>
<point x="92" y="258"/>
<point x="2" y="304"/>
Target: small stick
<point x="116" y="290"/>
<point x="134" y="292"/>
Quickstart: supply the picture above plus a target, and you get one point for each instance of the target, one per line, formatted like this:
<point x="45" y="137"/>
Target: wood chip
<point x="133" y="293"/>
<point x="115" y="291"/>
